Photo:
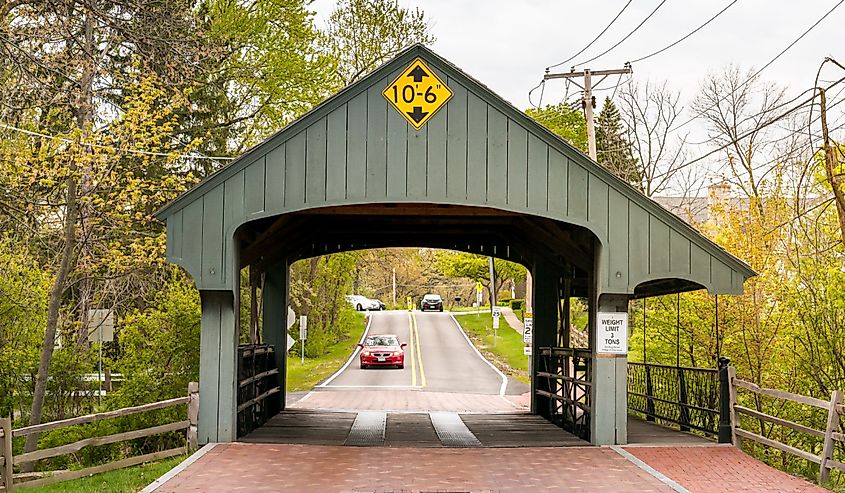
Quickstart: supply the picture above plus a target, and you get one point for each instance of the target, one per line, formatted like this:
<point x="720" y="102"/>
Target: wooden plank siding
<point x="476" y="151"/>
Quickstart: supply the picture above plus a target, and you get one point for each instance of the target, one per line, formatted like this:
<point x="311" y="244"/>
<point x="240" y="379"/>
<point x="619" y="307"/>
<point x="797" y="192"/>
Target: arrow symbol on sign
<point x="418" y="73"/>
<point x="418" y="114"/>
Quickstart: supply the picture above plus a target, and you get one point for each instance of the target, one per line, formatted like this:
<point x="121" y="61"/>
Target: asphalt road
<point x="438" y="358"/>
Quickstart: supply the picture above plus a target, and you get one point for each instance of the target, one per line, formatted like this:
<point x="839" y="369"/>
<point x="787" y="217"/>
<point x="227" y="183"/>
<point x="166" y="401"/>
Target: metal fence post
<point x="649" y="392"/>
<point x="683" y="402"/>
<point x="725" y="431"/>
<point x="832" y="425"/>
<point x="193" y="414"/>
<point x="8" y="473"/>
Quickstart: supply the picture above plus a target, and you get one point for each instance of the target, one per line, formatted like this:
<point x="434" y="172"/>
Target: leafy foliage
<point x="362" y="34"/>
<point x="561" y="119"/>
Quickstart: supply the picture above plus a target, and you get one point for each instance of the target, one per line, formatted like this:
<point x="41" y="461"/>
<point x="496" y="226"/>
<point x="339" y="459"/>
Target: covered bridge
<point x="379" y="165"/>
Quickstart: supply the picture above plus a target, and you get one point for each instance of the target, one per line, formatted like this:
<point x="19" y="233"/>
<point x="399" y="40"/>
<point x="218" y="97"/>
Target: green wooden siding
<point x="476" y="151"/>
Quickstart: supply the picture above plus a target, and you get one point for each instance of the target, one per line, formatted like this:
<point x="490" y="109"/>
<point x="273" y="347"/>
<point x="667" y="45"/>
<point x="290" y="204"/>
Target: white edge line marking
<point x="179" y="468"/>
<point x="370" y="387"/>
<point x="647" y="468"/>
<point x="504" y="378"/>
<point x="354" y="353"/>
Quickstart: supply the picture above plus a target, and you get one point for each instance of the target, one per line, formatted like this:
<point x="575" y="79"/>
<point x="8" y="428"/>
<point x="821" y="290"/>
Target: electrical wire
<point x="605" y="52"/>
<point x="755" y="74"/>
<point x="541" y="84"/>
<point x="748" y="133"/>
<point x="699" y="28"/>
<point x="112" y="148"/>
<point x="594" y="39"/>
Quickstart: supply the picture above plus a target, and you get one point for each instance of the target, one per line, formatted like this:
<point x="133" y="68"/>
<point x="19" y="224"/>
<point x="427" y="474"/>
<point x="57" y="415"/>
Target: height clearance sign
<point x="612" y="337"/>
<point x="417" y="93"/>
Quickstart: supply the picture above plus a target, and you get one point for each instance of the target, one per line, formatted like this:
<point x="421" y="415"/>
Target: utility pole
<point x="589" y="101"/>
<point x="394" y="287"/>
<point x="830" y="164"/>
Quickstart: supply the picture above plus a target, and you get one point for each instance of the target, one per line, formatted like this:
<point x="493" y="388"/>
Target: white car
<point x="361" y="303"/>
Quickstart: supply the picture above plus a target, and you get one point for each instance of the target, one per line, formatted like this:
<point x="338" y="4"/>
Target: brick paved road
<point x="720" y="469"/>
<point x="310" y="468"/>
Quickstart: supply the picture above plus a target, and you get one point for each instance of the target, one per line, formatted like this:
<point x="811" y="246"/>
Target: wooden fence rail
<point x="8" y="460"/>
<point x="830" y="435"/>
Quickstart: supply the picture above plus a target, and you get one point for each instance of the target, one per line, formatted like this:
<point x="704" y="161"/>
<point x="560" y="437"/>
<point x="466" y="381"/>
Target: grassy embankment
<point x="133" y="479"/>
<point x="305" y="377"/>
<point x="505" y="351"/>
<point x="129" y="480"/>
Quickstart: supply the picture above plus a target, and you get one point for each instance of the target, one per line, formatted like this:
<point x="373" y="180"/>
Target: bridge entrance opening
<point x="478" y="176"/>
<point x="446" y="390"/>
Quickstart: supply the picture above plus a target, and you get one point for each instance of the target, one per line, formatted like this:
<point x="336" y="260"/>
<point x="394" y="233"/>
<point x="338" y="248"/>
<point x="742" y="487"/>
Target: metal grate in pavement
<point x="368" y="429"/>
<point x="452" y="431"/>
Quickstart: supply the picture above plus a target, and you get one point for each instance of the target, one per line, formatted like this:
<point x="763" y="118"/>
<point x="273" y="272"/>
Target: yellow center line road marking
<point x="411" y="350"/>
<point x="419" y="354"/>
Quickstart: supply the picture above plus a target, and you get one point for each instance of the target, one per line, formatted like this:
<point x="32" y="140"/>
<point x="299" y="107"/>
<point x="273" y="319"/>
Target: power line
<point x="605" y="52"/>
<point x="750" y="132"/>
<point x="699" y="28"/>
<point x="112" y="148"/>
<point x="594" y="39"/>
<point x="755" y="74"/>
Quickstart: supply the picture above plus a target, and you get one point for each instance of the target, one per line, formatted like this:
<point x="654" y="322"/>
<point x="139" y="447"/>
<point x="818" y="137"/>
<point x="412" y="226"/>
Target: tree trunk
<point x="55" y="303"/>
<point x="85" y="114"/>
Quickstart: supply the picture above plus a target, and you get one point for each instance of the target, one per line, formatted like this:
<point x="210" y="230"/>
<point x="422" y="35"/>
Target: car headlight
<point x="365" y="353"/>
<point x="397" y="353"/>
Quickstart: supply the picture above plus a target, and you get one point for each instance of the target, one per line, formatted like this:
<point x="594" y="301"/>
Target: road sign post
<point x="478" y="298"/>
<point x="303" y="334"/>
<point x="497" y="311"/>
<point x="528" y="335"/>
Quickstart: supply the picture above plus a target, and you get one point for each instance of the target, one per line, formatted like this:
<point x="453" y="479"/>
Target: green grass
<point x="128" y="480"/>
<point x="458" y="309"/>
<point x="506" y="353"/>
<point x="305" y="377"/>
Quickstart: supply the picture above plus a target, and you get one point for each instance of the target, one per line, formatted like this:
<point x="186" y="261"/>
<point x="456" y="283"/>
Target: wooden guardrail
<point x="8" y="460"/>
<point x="829" y="436"/>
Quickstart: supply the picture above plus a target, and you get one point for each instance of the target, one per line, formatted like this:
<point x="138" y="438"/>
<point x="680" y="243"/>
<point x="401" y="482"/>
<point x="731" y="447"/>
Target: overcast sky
<point x="507" y="44"/>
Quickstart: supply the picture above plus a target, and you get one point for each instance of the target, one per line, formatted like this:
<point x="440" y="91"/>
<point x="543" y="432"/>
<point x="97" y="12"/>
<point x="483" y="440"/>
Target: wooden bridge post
<point x="193" y="414"/>
<point x="8" y="472"/>
<point x="546" y="308"/>
<point x="218" y="368"/>
<point x="609" y="417"/>
<point x="832" y="425"/>
<point x="276" y="300"/>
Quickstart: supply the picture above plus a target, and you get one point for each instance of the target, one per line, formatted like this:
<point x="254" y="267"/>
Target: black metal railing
<point x="675" y="395"/>
<point x="259" y="396"/>
<point x="568" y="373"/>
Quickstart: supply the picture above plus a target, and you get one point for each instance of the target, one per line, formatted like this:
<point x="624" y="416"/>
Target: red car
<point x="382" y="350"/>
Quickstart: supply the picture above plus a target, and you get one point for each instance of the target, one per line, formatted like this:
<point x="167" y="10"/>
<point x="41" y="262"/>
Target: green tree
<point x="264" y="68"/>
<point x="564" y="121"/>
<point x="477" y="268"/>
<point x="319" y="286"/>
<point x="362" y="34"/>
<point x="613" y="151"/>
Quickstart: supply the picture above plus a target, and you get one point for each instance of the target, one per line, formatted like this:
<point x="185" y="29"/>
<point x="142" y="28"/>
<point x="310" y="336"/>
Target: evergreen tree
<point x="613" y="151"/>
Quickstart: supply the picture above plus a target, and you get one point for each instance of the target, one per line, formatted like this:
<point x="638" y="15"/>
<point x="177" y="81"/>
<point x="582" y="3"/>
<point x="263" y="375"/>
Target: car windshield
<point x="381" y="341"/>
<point x="432" y="297"/>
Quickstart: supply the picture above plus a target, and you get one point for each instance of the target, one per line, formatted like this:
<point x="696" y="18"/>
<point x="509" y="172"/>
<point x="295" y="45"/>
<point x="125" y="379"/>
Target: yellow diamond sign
<point x="417" y="93"/>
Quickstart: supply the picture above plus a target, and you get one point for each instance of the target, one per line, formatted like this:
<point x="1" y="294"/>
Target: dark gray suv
<point x="432" y="302"/>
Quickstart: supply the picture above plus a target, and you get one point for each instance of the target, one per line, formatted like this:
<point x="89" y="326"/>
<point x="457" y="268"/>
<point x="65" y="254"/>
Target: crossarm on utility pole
<point x="588" y="101"/>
